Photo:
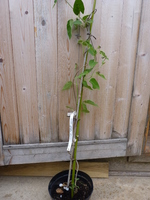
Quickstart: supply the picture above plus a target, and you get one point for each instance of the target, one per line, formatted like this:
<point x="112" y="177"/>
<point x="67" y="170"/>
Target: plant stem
<point x="77" y="128"/>
<point x="79" y="113"/>
<point x="69" y="4"/>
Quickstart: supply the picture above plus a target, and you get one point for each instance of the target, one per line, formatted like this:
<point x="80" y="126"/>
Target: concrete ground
<point x="113" y="188"/>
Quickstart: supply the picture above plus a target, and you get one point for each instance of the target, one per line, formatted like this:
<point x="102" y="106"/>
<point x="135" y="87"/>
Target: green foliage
<point x="94" y="83"/>
<point x="86" y="85"/>
<point x="55" y="1"/>
<point x="77" y="22"/>
<point x="90" y="47"/>
<point x="70" y="108"/>
<point x="67" y="85"/>
<point x="84" y="18"/>
<point x="84" y="108"/>
<point x="85" y="78"/>
<point x="92" y="51"/>
<point x="86" y="71"/>
<point x="101" y="75"/>
<point x="92" y="63"/>
<point x="78" y="7"/>
<point x="69" y="28"/>
<point x="90" y="102"/>
<point x="103" y="55"/>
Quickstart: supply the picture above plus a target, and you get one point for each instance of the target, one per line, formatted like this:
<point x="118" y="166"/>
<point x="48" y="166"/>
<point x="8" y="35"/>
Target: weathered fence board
<point x="1" y="148"/>
<point x="107" y="29"/>
<point x="21" y="17"/>
<point x="86" y="128"/>
<point x="37" y="59"/>
<point x="8" y="106"/>
<point x="46" y="65"/>
<point x="141" y="89"/>
<point x="21" y="154"/>
<point x="126" y="65"/>
<point x="67" y="57"/>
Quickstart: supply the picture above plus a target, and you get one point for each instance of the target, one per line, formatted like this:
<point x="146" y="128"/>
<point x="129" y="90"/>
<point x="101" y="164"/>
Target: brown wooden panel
<point x="126" y="65"/>
<point x="107" y="29"/>
<point x="46" y="65"/>
<point x="1" y="148"/>
<point x="51" y="152"/>
<point x="141" y="88"/>
<point x="67" y="57"/>
<point x="94" y="169"/>
<point x="87" y="122"/>
<point x="8" y="103"/>
<point x="22" y="27"/>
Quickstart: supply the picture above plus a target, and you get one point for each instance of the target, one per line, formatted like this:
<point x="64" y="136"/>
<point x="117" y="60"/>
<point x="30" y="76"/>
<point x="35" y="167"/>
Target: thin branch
<point x="73" y="85"/>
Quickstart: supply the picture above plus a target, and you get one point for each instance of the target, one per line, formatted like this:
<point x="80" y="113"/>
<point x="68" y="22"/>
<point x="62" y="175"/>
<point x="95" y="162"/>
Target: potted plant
<point x="74" y="184"/>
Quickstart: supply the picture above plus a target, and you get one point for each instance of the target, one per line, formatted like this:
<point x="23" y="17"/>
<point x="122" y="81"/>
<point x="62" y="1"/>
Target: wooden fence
<point x="37" y="59"/>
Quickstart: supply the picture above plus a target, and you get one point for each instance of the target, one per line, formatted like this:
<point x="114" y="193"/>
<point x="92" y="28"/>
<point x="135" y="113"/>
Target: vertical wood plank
<point x="87" y="119"/>
<point x="141" y="88"/>
<point x="8" y="104"/>
<point x="107" y="29"/>
<point x="126" y="66"/>
<point x="22" y="26"/>
<point x="67" y="57"/>
<point x="1" y="147"/>
<point x="46" y="64"/>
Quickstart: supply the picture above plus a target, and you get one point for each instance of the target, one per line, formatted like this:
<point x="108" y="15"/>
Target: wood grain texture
<point x="8" y="103"/>
<point x="107" y="29"/>
<point x="94" y="169"/>
<point x="1" y="148"/>
<point x="87" y="121"/>
<point x="122" y="165"/>
<point x="137" y="174"/>
<point x="22" y="27"/>
<point x="67" y="57"/>
<point x="146" y="149"/>
<point x="141" y="88"/>
<point x="46" y="65"/>
<point x="126" y="65"/>
<point x="144" y="158"/>
<point x="146" y="143"/>
<point x="53" y="152"/>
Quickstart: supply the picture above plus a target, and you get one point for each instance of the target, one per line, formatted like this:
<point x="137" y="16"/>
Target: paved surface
<point x="114" y="188"/>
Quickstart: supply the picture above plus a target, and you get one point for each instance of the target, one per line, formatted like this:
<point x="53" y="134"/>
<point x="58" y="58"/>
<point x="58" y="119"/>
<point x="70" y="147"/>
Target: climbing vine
<point x="86" y="76"/>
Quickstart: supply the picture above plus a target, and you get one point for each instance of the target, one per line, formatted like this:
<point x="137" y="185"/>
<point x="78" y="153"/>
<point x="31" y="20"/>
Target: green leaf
<point x="90" y="21"/>
<point x="86" y="71"/>
<point x="55" y="1"/>
<point x="77" y="22"/>
<point x="80" y="41"/>
<point x="92" y="51"/>
<point x="86" y="85"/>
<point x="78" y="7"/>
<point x="84" y="108"/>
<point x="92" y="63"/>
<point x="76" y="65"/>
<point x="103" y="54"/>
<point x="69" y="107"/>
<point x="90" y="102"/>
<point x="69" y="28"/>
<point x="82" y="74"/>
<point x="101" y="75"/>
<point x="85" y="17"/>
<point x="103" y="62"/>
<point x="94" y="83"/>
<point x="67" y="85"/>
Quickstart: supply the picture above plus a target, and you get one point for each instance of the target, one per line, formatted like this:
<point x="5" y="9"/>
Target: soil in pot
<point x="83" y="190"/>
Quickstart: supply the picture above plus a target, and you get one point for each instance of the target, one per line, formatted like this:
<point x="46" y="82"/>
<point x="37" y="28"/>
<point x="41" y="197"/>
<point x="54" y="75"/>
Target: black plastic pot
<point x="63" y="176"/>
